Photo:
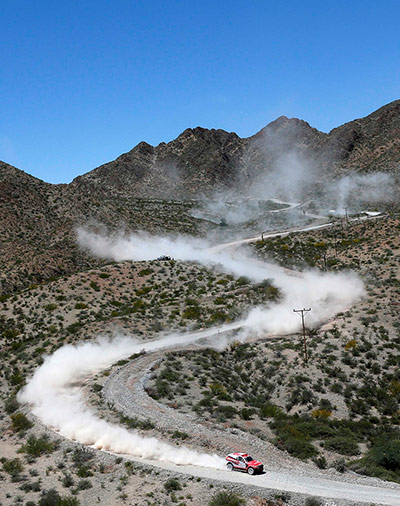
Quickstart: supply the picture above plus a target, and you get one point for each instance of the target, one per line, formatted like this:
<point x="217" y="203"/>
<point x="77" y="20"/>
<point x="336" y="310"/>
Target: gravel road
<point x="125" y="389"/>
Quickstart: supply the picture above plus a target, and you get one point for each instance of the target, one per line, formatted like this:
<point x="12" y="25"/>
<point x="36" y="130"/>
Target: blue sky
<point x="83" y="81"/>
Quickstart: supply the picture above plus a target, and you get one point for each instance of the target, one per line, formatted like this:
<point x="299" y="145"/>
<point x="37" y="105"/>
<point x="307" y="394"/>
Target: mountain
<point x="201" y="160"/>
<point x="148" y="187"/>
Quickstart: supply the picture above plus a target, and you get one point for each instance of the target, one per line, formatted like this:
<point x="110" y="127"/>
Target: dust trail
<point x="327" y="293"/>
<point x="55" y="394"/>
<point x="54" y="390"/>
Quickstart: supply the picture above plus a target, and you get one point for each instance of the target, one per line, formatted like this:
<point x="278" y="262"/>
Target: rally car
<point x="243" y="462"/>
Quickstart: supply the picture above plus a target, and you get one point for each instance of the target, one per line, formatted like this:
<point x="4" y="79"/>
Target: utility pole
<point x="335" y="239"/>
<point x="347" y="218"/>
<point x="302" y="313"/>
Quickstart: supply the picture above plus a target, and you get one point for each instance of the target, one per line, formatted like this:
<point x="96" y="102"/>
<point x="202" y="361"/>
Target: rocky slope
<point x="201" y="160"/>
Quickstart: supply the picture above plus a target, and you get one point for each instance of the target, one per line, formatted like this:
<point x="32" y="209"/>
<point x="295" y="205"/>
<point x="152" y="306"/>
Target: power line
<point x="302" y="313"/>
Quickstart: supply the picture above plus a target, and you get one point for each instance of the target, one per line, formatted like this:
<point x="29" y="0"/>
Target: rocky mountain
<point x="148" y="187"/>
<point x="201" y="160"/>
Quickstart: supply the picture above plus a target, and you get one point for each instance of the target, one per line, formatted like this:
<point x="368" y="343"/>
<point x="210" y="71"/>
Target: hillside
<point x="149" y="188"/>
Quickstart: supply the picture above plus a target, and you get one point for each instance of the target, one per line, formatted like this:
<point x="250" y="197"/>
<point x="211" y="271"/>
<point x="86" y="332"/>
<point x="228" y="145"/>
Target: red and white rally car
<point x="243" y="462"/>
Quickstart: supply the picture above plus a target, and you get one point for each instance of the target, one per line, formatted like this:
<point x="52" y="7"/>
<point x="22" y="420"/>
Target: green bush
<point x="38" y="446"/>
<point x="53" y="498"/>
<point x="300" y="448"/>
<point x="12" y="466"/>
<point x="386" y="453"/>
<point x="342" y="445"/>
<point x="226" y="411"/>
<point x="270" y="411"/>
<point x="20" y="422"/>
<point x="225" y="498"/>
<point x="172" y="485"/>
<point x="11" y="405"/>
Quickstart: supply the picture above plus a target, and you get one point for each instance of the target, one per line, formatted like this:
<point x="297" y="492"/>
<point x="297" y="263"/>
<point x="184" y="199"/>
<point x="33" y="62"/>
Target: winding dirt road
<point x="125" y="389"/>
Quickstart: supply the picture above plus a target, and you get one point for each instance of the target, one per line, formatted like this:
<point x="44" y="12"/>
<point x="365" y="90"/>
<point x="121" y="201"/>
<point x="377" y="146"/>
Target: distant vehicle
<point x="243" y="462"/>
<point x="164" y="257"/>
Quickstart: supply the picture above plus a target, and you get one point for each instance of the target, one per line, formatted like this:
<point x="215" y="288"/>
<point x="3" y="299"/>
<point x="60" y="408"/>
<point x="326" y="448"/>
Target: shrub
<point x="340" y="465"/>
<point x="177" y="434"/>
<point x="11" y="405"/>
<point x="12" y="466"/>
<point x="386" y="453"/>
<point x="312" y="501"/>
<point x="226" y="410"/>
<point x="172" y="485"/>
<point x="225" y="498"/>
<point x="351" y="345"/>
<point x="297" y="447"/>
<point x="343" y="445"/>
<point x="20" y="422"/>
<point x="53" y="498"/>
<point x="270" y="411"/>
<point x="321" y="413"/>
<point x="38" y="446"/>
<point x="50" y="307"/>
<point x="320" y="462"/>
<point x="83" y="485"/>
<point x="81" y="456"/>
<point x="246" y="413"/>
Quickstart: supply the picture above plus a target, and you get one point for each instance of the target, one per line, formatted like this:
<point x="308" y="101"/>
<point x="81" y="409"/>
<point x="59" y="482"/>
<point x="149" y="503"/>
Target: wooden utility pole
<point x="335" y="239"/>
<point x="302" y="313"/>
<point x="347" y="218"/>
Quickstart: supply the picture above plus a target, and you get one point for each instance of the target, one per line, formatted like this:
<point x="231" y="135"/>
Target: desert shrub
<point x="321" y="413"/>
<point x="145" y="272"/>
<point x="83" y="485"/>
<point x="38" y="446"/>
<point x="226" y="498"/>
<point x="300" y="448"/>
<point x="312" y="501"/>
<point x="246" y="413"/>
<point x="81" y="456"/>
<point x="50" y="307"/>
<point x="12" y="466"/>
<point x="191" y="313"/>
<point x="270" y="411"/>
<point x="386" y="453"/>
<point x="172" y="484"/>
<point x="343" y="445"/>
<point x="68" y="481"/>
<point x="163" y="388"/>
<point x="135" y="423"/>
<point x="53" y="498"/>
<point x="177" y="434"/>
<point x="94" y="286"/>
<point x="20" y="422"/>
<point x="34" y="486"/>
<point x="11" y="405"/>
<point x="320" y="462"/>
<point x="317" y="429"/>
<point x="340" y="465"/>
<point x="226" y="411"/>
<point x="351" y="345"/>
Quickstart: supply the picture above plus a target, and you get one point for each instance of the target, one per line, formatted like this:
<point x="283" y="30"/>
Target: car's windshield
<point x="249" y="459"/>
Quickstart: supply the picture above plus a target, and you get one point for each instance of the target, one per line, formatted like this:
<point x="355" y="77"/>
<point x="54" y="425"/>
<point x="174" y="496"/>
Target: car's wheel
<point x="229" y="466"/>
<point x="250" y="470"/>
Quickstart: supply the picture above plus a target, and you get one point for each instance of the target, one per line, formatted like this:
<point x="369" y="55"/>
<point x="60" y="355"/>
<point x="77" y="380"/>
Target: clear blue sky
<point x="83" y="81"/>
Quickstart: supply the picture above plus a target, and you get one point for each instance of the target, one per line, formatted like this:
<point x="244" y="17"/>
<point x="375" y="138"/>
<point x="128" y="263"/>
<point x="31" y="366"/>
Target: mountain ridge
<point x="38" y="219"/>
